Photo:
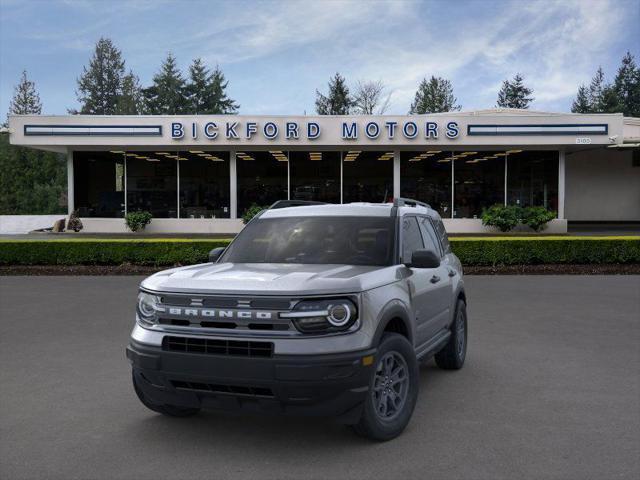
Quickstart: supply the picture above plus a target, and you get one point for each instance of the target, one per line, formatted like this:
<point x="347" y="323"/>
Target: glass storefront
<point x="532" y="178"/>
<point x="426" y="176"/>
<point x="152" y="183"/>
<point x="261" y="178"/>
<point x="99" y="184"/>
<point x="315" y="176"/>
<point x="197" y="184"/>
<point x="204" y="184"/>
<point x="367" y="176"/>
<point x="478" y="182"/>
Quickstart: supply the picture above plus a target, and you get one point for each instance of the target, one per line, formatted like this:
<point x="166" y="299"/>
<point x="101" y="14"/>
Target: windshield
<point x="337" y="240"/>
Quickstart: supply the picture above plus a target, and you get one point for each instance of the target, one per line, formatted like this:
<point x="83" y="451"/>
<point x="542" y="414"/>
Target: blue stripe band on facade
<point x="548" y="129"/>
<point x="71" y="133"/>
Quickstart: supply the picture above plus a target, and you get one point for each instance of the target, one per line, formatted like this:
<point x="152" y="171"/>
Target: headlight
<point x="147" y="308"/>
<point x="323" y="316"/>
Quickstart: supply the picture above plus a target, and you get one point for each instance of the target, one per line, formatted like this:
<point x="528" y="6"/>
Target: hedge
<point x="107" y="252"/>
<point x="470" y="250"/>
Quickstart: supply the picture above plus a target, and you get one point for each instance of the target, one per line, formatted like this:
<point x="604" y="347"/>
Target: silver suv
<point x="312" y="309"/>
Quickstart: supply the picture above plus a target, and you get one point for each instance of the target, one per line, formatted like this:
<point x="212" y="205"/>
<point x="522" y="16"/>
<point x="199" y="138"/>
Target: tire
<point x="169" y="410"/>
<point x="385" y="414"/>
<point x="452" y="356"/>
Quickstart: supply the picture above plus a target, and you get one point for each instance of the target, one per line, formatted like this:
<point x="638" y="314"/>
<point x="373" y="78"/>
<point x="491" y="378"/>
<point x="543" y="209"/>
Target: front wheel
<point x="393" y="390"/>
<point x="452" y="356"/>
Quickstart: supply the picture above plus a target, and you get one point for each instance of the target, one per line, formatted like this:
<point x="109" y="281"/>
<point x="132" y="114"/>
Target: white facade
<point x="594" y="177"/>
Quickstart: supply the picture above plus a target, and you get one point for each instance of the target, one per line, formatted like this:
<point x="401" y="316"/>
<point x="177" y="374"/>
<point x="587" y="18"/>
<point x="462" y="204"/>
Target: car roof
<point x="359" y="209"/>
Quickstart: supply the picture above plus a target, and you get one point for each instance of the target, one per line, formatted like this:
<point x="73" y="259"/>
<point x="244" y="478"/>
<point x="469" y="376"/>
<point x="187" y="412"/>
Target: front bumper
<point x="322" y="385"/>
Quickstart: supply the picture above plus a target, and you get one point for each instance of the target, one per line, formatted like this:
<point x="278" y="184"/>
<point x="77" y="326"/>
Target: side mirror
<point x="424" y="259"/>
<point x="214" y="254"/>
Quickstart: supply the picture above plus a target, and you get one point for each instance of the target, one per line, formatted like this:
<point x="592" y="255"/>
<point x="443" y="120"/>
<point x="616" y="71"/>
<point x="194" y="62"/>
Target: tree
<point x="206" y="92"/>
<point x="370" y="98"/>
<point x="31" y="181"/>
<point x="581" y="104"/>
<point x="100" y="85"/>
<point x="514" y="94"/>
<point x="338" y="101"/>
<point x="25" y="99"/>
<point x="218" y="100"/>
<point x="596" y="91"/>
<point x="130" y="101"/>
<point x="627" y="86"/>
<point x="167" y="95"/>
<point x="434" y="95"/>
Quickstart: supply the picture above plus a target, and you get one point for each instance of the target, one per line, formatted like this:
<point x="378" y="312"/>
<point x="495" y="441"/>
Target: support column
<point x="233" y="185"/>
<point x="70" y="183"/>
<point x="506" y="169"/>
<point x="561" y="177"/>
<point x="396" y="173"/>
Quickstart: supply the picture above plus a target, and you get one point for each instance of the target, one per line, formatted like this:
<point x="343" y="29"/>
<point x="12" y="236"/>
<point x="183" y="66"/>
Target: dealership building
<point x="199" y="174"/>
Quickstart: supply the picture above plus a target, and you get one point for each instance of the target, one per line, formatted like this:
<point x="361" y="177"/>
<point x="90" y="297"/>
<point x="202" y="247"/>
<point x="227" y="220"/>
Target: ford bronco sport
<point x="315" y="309"/>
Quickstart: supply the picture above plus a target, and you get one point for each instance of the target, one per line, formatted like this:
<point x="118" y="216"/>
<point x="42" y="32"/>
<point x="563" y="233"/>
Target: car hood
<point x="271" y="279"/>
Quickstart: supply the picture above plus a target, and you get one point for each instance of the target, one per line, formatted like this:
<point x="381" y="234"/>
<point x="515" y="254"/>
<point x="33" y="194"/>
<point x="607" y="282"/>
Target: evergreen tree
<point x="514" y="94"/>
<point x="167" y="95"/>
<point x="206" y="91"/>
<point x="433" y="96"/>
<point x="130" y="101"/>
<point x="218" y="100"/>
<point x="25" y="99"/>
<point x="100" y="85"/>
<point x="581" y="104"/>
<point x="627" y="86"/>
<point x="596" y="91"/>
<point x="338" y="101"/>
<point x="31" y="181"/>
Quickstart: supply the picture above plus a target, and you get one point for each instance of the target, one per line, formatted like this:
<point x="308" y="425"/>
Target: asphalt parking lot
<point x="551" y="389"/>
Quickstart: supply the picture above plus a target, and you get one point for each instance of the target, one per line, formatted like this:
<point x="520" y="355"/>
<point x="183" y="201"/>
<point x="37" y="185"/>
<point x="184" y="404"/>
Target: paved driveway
<point x="551" y="389"/>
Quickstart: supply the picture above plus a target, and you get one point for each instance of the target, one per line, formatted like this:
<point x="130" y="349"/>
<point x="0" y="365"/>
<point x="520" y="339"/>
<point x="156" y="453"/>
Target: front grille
<point x="228" y="389"/>
<point x="209" y="346"/>
<point x="269" y="303"/>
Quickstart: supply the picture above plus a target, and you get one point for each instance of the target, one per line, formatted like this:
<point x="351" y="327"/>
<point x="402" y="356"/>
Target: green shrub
<point x="108" y="252"/>
<point x="251" y="212"/>
<point x="168" y="252"/>
<point x="504" y="218"/>
<point x="137" y="220"/>
<point x="541" y="250"/>
<point x="536" y="217"/>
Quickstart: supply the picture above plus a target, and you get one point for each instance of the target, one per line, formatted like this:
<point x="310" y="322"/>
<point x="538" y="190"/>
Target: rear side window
<point x="429" y="235"/>
<point x="411" y="238"/>
<point x="442" y="235"/>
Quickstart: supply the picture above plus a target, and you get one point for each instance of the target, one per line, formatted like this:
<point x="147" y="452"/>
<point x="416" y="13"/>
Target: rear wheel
<point x="452" y="356"/>
<point x="393" y="390"/>
<point x="169" y="410"/>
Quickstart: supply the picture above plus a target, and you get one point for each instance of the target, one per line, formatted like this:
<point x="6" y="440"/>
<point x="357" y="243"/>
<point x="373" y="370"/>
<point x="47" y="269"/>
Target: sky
<point x="275" y="54"/>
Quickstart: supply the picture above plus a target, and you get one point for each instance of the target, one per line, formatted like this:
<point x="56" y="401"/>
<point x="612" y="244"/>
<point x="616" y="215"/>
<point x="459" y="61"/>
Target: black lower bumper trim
<point x="324" y="385"/>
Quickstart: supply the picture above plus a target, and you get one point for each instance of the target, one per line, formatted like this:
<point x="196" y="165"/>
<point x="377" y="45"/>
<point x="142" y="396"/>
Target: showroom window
<point x="315" y="176"/>
<point x="204" y="184"/>
<point x="367" y="176"/>
<point x="261" y="178"/>
<point x="478" y="182"/>
<point x="532" y="178"/>
<point x="426" y="176"/>
<point x="99" y="184"/>
<point x="152" y="183"/>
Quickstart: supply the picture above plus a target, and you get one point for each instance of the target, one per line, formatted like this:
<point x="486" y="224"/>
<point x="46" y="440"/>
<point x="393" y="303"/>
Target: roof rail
<point x="293" y="203"/>
<point x="409" y="202"/>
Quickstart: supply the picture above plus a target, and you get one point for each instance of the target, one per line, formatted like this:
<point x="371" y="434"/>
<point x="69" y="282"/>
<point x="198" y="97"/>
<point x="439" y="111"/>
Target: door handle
<point x="435" y="279"/>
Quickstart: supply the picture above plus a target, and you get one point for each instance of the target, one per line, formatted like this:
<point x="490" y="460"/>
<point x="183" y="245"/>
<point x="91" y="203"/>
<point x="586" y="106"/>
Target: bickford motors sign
<point x="294" y="130"/>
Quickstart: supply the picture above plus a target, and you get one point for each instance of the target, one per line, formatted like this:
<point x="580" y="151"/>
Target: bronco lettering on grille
<point x="213" y="313"/>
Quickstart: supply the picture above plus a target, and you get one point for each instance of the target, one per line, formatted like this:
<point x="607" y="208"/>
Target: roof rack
<point x="293" y="203"/>
<point x="409" y="202"/>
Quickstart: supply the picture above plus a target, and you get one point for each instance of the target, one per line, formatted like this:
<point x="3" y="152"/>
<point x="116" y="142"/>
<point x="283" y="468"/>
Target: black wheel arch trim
<point x="394" y="309"/>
